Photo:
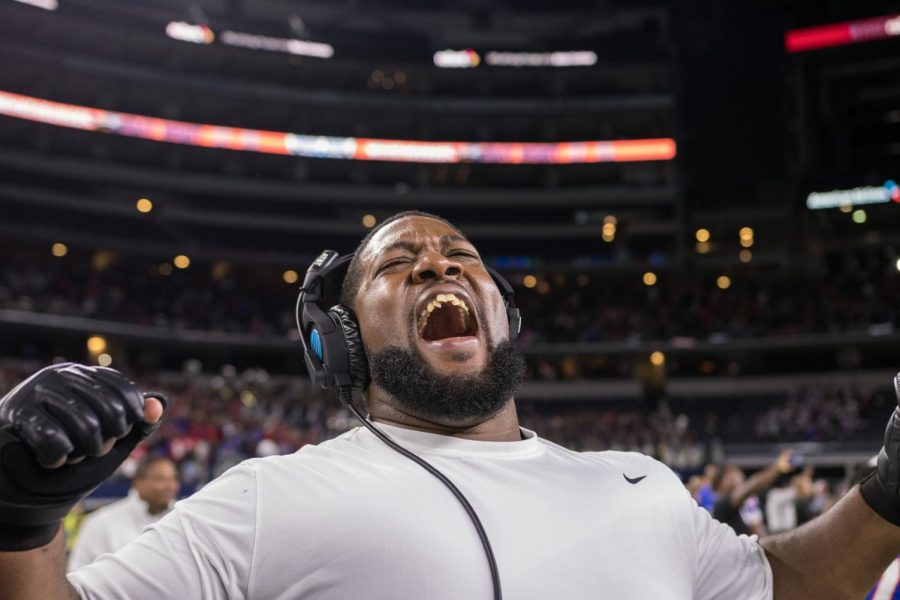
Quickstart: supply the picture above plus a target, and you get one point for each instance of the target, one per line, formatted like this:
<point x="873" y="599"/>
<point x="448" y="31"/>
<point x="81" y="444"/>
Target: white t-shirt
<point x="110" y="528"/>
<point x="351" y="518"/>
<point x="781" y="512"/>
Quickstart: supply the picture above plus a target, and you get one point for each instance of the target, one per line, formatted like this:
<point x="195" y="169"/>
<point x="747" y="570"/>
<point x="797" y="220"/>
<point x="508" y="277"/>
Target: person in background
<point x="733" y="489"/>
<point x="701" y="488"/>
<point x="153" y="491"/>
<point x="790" y="505"/>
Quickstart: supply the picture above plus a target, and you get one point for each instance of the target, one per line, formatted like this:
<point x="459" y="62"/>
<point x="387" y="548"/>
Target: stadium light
<point x="96" y="344"/>
<point x="584" y="58"/>
<point x="657" y="358"/>
<point x="273" y="44"/>
<point x="45" y="4"/>
<point x="745" y="256"/>
<point x="723" y="282"/>
<point x="369" y="221"/>
<point x="104" y="360"/>
<point x="290" y="276"/>
<point x="186" y="32"/>
<point x="457" y="59"/>
<point x="144" y="205"/>
<point x="649" y="278"/>
<point x="182" y="262"/>
<point x="860" y="216"/>
<point x="529" y="281"/>
<point x="59" y="250"/>
<point x="702" y="235"/>
<point x="609" y="232"/>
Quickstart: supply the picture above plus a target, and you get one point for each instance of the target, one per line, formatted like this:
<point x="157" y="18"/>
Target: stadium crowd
<point x="216" y="421"/>
<point x="222" y="297"/>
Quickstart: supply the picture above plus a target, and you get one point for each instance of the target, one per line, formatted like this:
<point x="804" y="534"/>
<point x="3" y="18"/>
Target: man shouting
<point x="351" y="518"/>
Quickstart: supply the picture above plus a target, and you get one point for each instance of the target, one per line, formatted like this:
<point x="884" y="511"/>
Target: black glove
<point x="63" y="411"/>
<point x="881" y="489"/>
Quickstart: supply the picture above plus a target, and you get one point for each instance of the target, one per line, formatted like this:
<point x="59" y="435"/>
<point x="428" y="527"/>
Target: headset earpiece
<point x="356" y="352"/>
<point x="513" y="316"/>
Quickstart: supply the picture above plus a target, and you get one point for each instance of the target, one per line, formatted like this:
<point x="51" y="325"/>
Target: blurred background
<point x="694" y="201"/>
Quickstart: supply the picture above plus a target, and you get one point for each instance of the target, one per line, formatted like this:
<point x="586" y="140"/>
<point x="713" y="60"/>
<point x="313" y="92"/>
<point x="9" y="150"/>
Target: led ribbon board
<point x="841" y="34"/>
<point x="318" y="146"/>
<point x="889" y="192"/>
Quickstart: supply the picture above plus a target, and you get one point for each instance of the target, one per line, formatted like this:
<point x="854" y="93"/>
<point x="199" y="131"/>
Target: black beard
<point x="456" y="399"/>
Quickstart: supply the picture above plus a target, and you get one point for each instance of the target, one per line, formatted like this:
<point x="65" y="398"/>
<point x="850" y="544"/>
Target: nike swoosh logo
<point x="635" y="480"/>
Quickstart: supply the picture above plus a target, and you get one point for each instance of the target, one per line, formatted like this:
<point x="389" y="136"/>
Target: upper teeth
<point x="439" y="301"/>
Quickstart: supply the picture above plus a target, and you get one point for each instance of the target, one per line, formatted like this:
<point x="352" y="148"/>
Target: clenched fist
<point x="63" y="431"/>
<point x="882" y="489"/>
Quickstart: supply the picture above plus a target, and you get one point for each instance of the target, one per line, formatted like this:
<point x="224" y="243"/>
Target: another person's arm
<point x="761" y="480"/>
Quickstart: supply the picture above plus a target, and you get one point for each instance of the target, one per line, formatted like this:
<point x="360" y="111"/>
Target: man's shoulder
<point x="328" y="452"/>
<point x="609" y="458"/>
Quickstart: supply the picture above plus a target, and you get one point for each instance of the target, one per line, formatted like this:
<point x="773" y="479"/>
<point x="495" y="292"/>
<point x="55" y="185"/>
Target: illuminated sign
<point x="316" y="146"/>
<point x="185" y="32"/>
<point x="841" y="34"/>
<point x="889" y="192"/>
<point x="272" y="44"/>
<point x="541" y="59"/>
<point x="457" y="59"/>
<point x="469" y="59"/>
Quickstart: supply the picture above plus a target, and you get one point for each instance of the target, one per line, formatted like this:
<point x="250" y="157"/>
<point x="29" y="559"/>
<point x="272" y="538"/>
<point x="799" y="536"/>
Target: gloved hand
<point x="881" y="489"/>
<point x="62" y="414"/>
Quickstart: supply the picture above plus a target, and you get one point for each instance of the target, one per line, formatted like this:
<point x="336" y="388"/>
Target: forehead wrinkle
<point x="406" y="244"/>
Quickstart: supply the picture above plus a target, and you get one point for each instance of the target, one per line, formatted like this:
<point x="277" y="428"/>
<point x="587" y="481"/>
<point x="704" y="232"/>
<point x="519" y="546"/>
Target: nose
<point x="434" y="265"/>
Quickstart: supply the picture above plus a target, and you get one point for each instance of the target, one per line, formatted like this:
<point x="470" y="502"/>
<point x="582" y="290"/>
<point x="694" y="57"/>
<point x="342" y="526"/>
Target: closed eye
<point x="392" y="263"/>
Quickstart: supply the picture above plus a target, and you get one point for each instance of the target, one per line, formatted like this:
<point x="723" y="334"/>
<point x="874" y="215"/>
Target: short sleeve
<point x="729" y="566"/>
<point x="202" y="549"/>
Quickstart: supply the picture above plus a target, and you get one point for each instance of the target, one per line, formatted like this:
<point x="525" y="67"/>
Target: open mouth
<point x="446" y="316"/>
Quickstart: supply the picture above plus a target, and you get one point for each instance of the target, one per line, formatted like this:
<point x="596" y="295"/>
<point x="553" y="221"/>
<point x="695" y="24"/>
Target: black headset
<point x="336" y="359"/>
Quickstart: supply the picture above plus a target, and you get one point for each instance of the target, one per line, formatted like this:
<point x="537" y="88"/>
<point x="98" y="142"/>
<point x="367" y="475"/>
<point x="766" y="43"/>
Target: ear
<point x="356" y="353"/>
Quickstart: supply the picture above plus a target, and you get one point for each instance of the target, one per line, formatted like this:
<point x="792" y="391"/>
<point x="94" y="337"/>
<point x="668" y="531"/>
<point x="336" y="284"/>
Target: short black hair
<point x="351" y="284"/>
<point x="144" y="466"/>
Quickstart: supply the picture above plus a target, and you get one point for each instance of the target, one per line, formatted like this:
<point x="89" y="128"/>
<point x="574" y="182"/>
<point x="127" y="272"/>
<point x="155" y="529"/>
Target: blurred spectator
<point x="734" y="490"/>
<point x="153" y="492"/>
<point x="790" y="505"/>
<point x="701" y="487"/>
<point x="255" y="300"/>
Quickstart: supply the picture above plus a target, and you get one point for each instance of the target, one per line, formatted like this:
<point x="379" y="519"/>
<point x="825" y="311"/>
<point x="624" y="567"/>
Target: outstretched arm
<point x="762" y="480"/>
<point x="837" y="556"/>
